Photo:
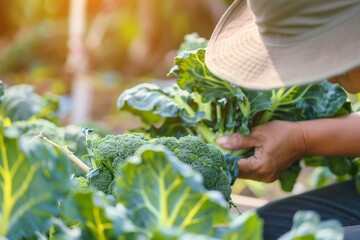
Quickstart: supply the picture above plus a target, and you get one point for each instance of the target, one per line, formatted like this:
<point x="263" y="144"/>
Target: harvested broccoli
<point x="110" y="152"/>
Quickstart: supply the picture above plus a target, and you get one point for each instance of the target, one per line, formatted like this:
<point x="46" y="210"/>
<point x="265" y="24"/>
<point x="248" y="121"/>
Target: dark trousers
<point x="339" y="201"/>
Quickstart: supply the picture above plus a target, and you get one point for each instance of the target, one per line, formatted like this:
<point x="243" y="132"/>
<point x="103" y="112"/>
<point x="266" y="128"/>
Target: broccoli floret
<point x="112" y="150"/>
<point x="217" y="157"/>
<point x="111" y="187"/>
<point x="102" y="180"/>
<point x="204" y="158"/>
<point x="81" y="183"/>
<point x="214" y="177"/>
<point x="191" y="148"/>
<point x="223" y="185"/>
<point x="171" y="143"/>
<point x="206" y="168"/>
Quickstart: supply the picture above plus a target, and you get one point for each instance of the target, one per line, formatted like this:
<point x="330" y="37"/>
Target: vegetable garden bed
<point x="167" y="180"/>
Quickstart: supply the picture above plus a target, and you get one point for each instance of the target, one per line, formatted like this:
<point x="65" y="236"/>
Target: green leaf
<point x="239" y="106"/>
<point x="357" y="181"/>
<point x="160" y="192"/>
<point x="59" y="231"/>
<point x="330" y="98"/>
<point x="307" y="102"/>
<point x="20" y="102"/>
<point x="320" y="177"/>
<point x="314" y="161"/>
<point x="247" y="226"/>
<point x="232" y="167"/>
<point x="1" y="89"/>
<point x="30" y="187"/>
<point x="288" y="178"/>
<point x="307" y="225"/>
<point x="255" y="102"/>
<point x="70" y="136"/>
<point x="96" y="217"/>
<point x="194" y="76"/>
<point x="171" y="127"/>
<point x="193" y="42"/>
<point x="149" y="102"/>
<point x="338" y="165"/>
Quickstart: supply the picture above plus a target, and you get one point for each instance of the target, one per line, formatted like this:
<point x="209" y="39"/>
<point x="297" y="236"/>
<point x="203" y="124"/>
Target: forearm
<point x="332" y="137"/>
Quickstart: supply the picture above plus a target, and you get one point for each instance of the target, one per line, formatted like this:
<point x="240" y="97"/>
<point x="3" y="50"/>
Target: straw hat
<point x="262" y="44"/>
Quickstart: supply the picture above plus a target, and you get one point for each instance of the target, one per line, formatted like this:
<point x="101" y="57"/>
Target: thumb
<point x="235" y="141"/>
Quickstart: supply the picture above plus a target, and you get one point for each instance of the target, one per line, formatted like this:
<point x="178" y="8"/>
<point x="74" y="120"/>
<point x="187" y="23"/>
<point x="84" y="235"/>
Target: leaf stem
<point x="67" y="152"/>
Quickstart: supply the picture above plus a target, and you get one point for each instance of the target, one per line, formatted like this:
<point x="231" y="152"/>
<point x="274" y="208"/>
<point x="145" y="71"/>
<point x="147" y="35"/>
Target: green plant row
<point x="155" y="195"/>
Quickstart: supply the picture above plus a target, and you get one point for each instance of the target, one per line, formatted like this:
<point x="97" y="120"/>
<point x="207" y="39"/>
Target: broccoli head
<point x="204" y="158"/>
<point x="209" y="172"/>
<point x="112" y="150"/>
<point x="222" y="184"/>
<point x="171" y="143"/>
<point x="102" y="180"/>
<point x="217" y="157"/>
<point x="191" y="148"/>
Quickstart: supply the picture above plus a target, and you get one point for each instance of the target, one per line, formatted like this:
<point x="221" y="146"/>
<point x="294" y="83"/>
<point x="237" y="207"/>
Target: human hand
<point x="277" y="145"/>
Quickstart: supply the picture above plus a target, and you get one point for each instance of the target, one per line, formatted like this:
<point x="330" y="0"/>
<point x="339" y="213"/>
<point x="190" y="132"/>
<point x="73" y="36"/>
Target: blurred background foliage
<point x="138" y="40"/>
<point x="124" y="42"/>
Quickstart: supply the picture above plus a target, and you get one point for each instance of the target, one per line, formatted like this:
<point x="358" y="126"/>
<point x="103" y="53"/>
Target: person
<point x="261" y="45"/>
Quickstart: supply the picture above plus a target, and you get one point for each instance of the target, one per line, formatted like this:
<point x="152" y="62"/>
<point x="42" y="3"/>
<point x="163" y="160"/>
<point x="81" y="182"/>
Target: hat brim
<point x="237" y="53"/>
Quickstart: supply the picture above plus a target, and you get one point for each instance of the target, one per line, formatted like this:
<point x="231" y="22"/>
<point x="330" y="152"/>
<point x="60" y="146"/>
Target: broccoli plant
<point x="33" y="177"/>
<point x="202" y="104"/>
<point x="158" y="197"/>
<point x="108" y="154"/>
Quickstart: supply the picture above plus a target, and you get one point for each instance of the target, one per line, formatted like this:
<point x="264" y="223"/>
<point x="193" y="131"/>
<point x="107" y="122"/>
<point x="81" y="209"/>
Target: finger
<point x="247" y="168"/>
<point x="235" y="141"/>
<point x="251" y="168"/>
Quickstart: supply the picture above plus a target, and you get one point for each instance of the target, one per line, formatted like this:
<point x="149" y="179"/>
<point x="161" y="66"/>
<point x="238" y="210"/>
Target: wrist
<point x="300" y="139"/>
<point x="338" y="136"/>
